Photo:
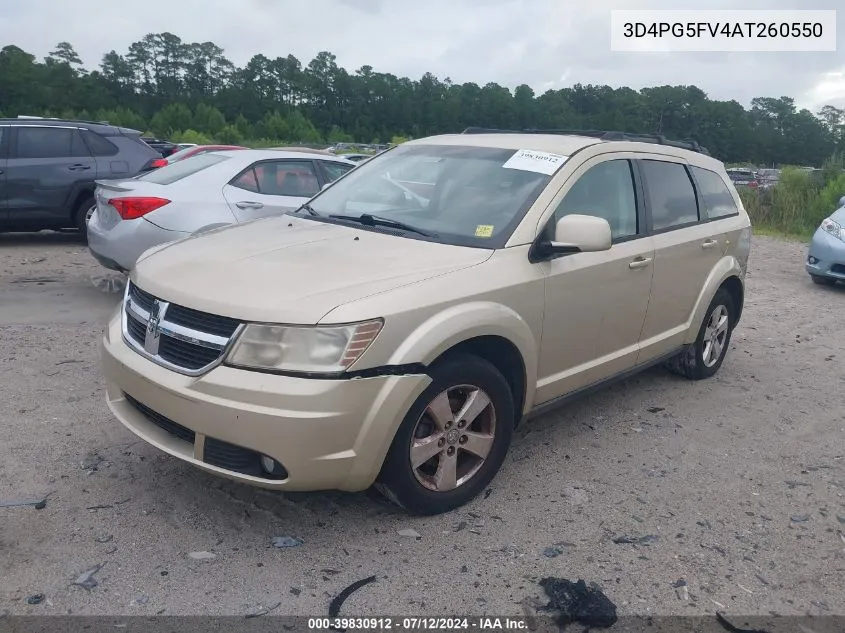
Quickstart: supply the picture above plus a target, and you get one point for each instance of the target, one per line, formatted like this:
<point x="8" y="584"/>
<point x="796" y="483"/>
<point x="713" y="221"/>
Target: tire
<point x="823" y="281"/>
<point x="81" y="215"/>
<point x="700" y="360"/>
<point x="455" y="381"/>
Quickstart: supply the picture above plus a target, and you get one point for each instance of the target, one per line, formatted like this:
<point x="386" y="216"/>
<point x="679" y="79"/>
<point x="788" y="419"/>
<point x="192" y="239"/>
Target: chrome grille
<point x="182" y="339"/>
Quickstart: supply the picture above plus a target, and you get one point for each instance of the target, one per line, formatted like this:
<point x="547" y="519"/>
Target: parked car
<point x="743" y="178"/>
<point x="48" y="168"/>
<point x="210" y="190"/>
<point x="193" y="151"/>
<point x="826" y="255"/>
<point x="768" y="178"/>
<point x="368" y="338"/>
<point x="164" y="148"/>
<point x="181" y="146"/>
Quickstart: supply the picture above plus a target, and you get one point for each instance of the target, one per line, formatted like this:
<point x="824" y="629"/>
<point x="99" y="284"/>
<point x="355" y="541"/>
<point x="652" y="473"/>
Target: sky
<point x="547" y="44"/>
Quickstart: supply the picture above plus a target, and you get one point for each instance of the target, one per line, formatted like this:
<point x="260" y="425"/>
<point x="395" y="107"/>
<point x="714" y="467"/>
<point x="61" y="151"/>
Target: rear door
<point x="686" y="248"/>
<point x="271" y="187"/>
<point x="48" y="167"/>
<point x="4" y="140"/>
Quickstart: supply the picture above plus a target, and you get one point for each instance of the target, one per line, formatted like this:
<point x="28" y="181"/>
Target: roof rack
<point x="602" y="135"/>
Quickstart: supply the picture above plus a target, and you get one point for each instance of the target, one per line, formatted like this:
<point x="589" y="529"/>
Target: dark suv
<point x="48" y="168"/>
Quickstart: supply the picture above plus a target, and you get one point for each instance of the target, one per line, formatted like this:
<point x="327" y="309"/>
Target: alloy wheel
<point x="453" y="438"/>
<point x="715" y="335"/>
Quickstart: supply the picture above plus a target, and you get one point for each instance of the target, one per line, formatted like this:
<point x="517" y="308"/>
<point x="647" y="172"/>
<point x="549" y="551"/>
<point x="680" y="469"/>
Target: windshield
<point x="469" y="196"/>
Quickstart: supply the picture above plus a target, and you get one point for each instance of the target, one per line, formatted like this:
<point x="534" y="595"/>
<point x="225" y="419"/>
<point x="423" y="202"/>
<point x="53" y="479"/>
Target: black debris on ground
<point x="656" y="409"/>
<point x="577" y="603"/>
<point x="337" y="603"/>
<point x="37" y="598"/>
<point x="647" y="539"/>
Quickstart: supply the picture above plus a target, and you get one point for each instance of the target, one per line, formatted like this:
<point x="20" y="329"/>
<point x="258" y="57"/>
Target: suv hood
<point x="291" y="270"/>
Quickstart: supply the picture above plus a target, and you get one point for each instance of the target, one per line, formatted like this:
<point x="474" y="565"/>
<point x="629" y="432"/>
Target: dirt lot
<point x="740" y="479"/>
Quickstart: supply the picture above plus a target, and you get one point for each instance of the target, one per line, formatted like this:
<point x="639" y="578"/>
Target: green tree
<point x="172" y="118"/>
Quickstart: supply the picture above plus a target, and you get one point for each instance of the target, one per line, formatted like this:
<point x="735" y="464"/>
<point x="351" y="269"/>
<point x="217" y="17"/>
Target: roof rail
<point x="28" y="117"/>
<point x="602" y="135"/>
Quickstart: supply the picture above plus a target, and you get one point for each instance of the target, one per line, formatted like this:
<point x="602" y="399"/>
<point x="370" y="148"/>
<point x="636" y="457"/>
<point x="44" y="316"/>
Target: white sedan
<point x="201" y="193"/>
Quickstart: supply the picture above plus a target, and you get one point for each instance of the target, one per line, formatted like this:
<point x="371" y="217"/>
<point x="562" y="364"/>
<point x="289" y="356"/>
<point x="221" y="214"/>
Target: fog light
<point x="268" y="464"/>
<point x="812" y="260"/>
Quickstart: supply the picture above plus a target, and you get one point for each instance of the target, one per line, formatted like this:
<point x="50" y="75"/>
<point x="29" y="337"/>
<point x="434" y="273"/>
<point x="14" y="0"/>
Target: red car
<point x="191" y="151"/>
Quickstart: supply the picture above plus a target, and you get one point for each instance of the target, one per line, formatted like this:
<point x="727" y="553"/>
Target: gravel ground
<point x="736" y="483"/>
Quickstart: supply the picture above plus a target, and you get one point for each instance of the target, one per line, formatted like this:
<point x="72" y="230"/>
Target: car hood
<point x="291" y="270"/>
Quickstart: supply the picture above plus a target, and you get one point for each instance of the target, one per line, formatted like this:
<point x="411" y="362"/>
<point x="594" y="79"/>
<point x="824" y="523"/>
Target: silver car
<point x="201" y="193"/>
<point x="826" y="255"/>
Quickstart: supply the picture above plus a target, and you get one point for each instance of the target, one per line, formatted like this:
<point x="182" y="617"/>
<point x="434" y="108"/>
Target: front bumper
<point x="826" y="256"/>
<point x="120" y="246"/>
<point x="327" y="434"/>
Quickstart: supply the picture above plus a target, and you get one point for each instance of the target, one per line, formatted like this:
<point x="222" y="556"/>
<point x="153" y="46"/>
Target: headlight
<point x="318" y="349"/>
<point x="834" y="228"/>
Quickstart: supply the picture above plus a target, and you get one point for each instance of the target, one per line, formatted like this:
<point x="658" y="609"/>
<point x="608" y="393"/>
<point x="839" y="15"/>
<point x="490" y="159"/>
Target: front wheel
<point x="703" y="358"/>
<point x="453" y="439"/>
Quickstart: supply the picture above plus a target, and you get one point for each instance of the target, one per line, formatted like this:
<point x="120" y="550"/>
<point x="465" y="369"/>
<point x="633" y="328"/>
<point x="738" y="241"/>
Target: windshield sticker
<point x="539" y="162"/>
<point x="484" y="230"/>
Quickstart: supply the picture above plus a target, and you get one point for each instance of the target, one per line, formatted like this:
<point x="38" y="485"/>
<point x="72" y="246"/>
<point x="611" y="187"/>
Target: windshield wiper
<point x="307" y="207"/>
<point x="374" y="220"/>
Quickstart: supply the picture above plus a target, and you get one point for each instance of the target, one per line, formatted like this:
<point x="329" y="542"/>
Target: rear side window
<point x="98" y="145"/>
<point x="717" y="198"/>
<point x="174" y="172"/>
<point x="670" y="193"/>
<point x="50" y="142"/>
<point x="247" y="181"/>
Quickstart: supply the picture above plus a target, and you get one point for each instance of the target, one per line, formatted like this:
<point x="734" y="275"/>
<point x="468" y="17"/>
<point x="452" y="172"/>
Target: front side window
<point x="334" y="170"/>
<point x="671" y="194"/>
<point x="605" y="191"/>
<point x="470" y="196"/>
<point x="50" y="142"/>
<point x="718" y="201"/>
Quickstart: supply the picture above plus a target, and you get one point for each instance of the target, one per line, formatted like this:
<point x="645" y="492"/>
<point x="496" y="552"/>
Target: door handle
<point x="639" y="262"/>
<point x="249" y="205"/>
<point x="79" y="167"/>
<point x="709" y="243"/>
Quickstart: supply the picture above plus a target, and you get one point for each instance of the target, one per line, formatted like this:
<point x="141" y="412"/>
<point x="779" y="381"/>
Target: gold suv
<point x="397" y="328"/>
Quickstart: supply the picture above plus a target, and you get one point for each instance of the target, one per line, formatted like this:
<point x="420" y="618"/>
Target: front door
<point x="596" y="302"/>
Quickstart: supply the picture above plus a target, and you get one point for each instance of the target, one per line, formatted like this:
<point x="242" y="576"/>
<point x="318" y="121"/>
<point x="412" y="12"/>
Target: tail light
<point x="753" y="184"/>
<point x="158" y="162"/>
<point x="134" y="208"/>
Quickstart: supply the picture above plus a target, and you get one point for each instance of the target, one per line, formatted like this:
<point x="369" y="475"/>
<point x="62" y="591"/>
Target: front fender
<point x="459" y="323"/>
<point x="726" y="267"/>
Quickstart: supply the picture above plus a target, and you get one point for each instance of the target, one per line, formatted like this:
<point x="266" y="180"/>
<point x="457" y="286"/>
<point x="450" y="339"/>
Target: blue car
<point x="826" y="256"/>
